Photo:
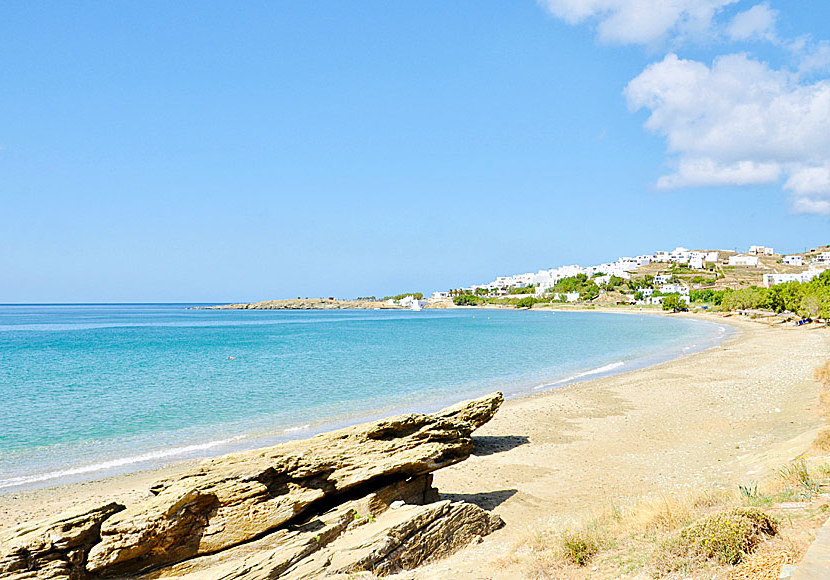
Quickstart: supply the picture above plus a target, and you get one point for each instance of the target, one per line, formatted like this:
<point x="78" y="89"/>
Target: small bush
<point x="795" y="474"/>
<point x="579" y="547"/>
<point x="725" y="537"/>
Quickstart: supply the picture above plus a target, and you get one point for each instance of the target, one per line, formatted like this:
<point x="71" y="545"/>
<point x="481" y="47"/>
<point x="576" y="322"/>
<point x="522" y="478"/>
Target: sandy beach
<point x="716" y="418"/>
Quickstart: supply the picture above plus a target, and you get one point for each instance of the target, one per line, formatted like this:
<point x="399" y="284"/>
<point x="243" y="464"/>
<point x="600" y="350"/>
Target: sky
<point x="219" y="151"/>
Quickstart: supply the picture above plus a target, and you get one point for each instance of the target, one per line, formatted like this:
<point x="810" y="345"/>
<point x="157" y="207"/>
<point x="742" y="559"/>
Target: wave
<point x="153" y="455"/>
<point x="599" y="370"/>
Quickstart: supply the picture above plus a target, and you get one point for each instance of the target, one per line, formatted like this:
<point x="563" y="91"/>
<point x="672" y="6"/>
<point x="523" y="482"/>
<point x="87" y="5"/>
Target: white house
<point x="647" y="292"/>
<point x="661" y="256"/>
<point x="793" y="260"/>
<point x="711" y="256"/>
<point x="696" y="262"/>
<point x="680" y="255"/>
<point x="628" y="264"/>
<point x="806" y="276"/>
<point x="760" y="251"/>
<point x="662" y="279"/>
<point x="440" y="295"/>
<point x="822" y="258"/>
<point x="645" y="259"/>
<point x="742" y="260"/>
<point x="674" y="289"/>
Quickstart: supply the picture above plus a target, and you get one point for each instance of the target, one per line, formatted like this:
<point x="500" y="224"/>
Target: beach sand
<point x="717" y="418"/>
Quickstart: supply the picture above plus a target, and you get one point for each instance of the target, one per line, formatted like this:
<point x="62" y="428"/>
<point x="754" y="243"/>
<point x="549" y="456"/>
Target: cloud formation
<point x="739" y="122"/>
<point x="757" y="23"/>
<point x="644" y="22"/>
<point x="736" y="121"/>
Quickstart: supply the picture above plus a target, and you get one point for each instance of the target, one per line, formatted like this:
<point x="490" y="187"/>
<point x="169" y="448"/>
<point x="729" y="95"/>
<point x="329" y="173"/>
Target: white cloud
<point x="756" y="23"/>
<point x="811" y="205"/>
<point x="639" y="21"/>
<point x="739" y="122"/>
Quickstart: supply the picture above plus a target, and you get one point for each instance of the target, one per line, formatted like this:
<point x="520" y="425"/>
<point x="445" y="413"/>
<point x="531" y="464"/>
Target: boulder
<point x="240" y="497"/>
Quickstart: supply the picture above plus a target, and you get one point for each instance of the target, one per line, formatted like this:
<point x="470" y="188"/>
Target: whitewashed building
<point x="793" y="260"/>
<point x="760" y="251"/>
<point x="662" y="278"/>
<point x="711" y="257"/>
<point x="742" y="260"/>
<point x="675" y="289"/>
<point x="680" y="255"/>
<point x="805" y="276"/>
<point x="823" y="258"/>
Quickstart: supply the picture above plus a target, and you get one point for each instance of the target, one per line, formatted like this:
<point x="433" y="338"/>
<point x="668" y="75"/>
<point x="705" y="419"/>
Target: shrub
<point x="465" y="300"/>
<point x="726" y="537"/>
<point x="673" y="302"/>
<point x="579" y="547"/>
<point x="795" y="474"/>
<point x="526" y="302"/>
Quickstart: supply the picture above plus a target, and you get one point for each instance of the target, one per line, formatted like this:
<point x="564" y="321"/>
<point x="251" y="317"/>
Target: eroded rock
<point x="53" y="549"/>
<point x="239" y="497"/>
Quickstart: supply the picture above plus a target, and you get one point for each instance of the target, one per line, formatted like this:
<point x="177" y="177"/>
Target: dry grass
<point x="822" y="374"/>
<point x="764" y="565"/>
<point x="718" y="534"/>
<point x="822" y="442"/>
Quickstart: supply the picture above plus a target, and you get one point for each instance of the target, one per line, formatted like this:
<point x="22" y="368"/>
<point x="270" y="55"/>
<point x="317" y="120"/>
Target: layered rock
<point x="355" y="499"/>
<point x="53" y="549"/>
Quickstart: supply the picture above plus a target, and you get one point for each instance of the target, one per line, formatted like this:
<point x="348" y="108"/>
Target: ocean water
<point x="89" y="391"/>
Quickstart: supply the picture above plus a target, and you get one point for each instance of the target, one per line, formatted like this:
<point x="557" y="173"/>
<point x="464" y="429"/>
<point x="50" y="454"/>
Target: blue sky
<point x="243" y="151"/>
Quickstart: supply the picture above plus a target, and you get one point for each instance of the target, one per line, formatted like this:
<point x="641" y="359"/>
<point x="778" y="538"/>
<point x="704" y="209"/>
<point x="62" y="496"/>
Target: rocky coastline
<point x="357" y="499"/>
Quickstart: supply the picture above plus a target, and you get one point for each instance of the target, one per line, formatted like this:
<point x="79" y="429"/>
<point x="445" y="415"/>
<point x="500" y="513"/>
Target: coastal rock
<point x="241" y="497"/>
<point x="303" y="550"/>
<point x="53" y="549"/>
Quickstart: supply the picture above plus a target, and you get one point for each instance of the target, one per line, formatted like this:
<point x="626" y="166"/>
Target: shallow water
<point x="93" y="390"/>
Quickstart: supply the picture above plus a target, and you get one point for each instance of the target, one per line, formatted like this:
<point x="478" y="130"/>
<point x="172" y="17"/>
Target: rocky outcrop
<point x="305" y="304"/>
<point x="355" y="499"/>
<point x="53" y="549"/>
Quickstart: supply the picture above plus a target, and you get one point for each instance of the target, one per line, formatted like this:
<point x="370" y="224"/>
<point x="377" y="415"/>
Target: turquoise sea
<point x="88" y="391"/>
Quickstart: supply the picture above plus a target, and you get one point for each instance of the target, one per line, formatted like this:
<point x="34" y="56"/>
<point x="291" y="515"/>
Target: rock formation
<point x="355" y="499"/>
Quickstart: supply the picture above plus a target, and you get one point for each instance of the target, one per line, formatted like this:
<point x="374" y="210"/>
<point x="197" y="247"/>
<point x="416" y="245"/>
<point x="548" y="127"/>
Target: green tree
<point x="673" y="302"/>
<point x="465" y="300"/>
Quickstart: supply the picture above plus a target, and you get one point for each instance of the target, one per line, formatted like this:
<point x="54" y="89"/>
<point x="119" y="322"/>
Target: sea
<point x="94" y="390"/>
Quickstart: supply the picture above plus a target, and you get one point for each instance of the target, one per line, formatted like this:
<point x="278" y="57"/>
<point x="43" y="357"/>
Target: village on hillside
<point x="648" y="279"/>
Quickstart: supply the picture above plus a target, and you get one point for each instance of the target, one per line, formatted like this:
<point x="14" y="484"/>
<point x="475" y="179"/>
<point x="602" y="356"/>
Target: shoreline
<point x="712" y="420"/>
<point x="518" y="414"/>
<point x="161" y="459"/>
